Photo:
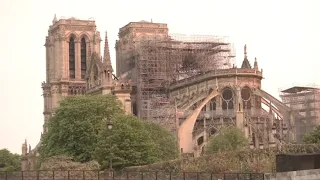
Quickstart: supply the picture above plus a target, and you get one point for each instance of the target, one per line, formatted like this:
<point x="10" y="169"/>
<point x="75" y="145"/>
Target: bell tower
<point x="69" y="45"/>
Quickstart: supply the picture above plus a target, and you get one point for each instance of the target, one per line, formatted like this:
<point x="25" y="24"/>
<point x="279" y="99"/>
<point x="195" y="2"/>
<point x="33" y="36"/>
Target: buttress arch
<point x="186" y="128"/>
<point x="190" y="102"/>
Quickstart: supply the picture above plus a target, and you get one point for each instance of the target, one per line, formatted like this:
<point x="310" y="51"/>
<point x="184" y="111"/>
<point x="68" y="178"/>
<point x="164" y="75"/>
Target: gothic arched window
<point x="72" y="64"/>
<point x="83" y="58"/>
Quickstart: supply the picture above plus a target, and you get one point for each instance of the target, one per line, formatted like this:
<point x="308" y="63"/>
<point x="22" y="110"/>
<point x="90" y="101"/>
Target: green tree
<point x="79" y="131"/>
<point x="74" y="129"/>
<point x="9" y="161"/>
<point x="166" y="142"/>
<point x="128" y="143"/>
<point x="64" y="163"/>
<point x="312" y="137"/>
<point x="230" y="138"/>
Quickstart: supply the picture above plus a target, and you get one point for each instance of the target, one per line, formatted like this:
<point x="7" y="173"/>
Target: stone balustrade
<point x="217" y="73"/>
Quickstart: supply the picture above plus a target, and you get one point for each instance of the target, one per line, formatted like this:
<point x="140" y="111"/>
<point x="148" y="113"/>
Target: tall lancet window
<point x="72" y="64"/>
<point x="83" y="58"/>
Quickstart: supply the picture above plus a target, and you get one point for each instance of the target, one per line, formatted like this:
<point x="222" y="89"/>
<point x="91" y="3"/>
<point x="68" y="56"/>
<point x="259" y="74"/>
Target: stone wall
<point x="312" y="174"/>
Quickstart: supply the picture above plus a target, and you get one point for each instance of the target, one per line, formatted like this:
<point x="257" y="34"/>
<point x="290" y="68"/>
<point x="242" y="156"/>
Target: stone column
<point x="239" y="111"/>
<point x="54" y="97"/>
<point x="291" y="128"/>
<point x="124" y="97"/>
<point x="246" y="131"/>
<point x="48" y="59"/>
<point x="204" y="130"/>
<point x="78" y="60"/>
<point x="128" y="106"/>
<point x="46" y="111"/>
<point x="265" y="133"/>
<point x="56" y="62"/>
<point x="256" y="138"/>
<point x="24" y="163"/>
<point x="219" y="105"/>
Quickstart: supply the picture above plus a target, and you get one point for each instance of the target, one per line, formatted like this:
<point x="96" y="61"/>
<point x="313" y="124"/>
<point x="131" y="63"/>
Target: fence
<point x="109" y="175"/>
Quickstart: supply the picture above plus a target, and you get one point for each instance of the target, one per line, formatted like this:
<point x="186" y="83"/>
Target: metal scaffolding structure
<point x="160" y="61"/>
<point x="306" y="102"/>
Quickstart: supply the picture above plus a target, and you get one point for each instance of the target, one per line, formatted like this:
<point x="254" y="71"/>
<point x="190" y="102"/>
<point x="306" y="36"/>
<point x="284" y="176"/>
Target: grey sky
<point x="283" y="35"/>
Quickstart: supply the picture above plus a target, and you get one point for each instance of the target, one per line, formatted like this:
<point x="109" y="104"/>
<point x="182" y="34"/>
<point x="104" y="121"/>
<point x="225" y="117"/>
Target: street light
<point x="109" y="126"/>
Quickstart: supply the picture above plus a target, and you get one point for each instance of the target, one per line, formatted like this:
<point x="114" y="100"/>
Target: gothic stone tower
<point x="74" y="66"/>
<point x="129" y="35"/>
<point x="68" y="47"/>
<point x="126" y="55"/>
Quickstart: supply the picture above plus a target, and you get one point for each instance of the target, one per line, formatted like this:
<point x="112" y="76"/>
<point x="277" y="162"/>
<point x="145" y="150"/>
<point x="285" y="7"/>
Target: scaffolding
<point x="160" y="61"/>
<point x="306" y="102"/>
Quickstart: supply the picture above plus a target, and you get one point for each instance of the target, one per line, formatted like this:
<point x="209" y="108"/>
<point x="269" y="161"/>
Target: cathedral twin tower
<point x="74" y="65"/>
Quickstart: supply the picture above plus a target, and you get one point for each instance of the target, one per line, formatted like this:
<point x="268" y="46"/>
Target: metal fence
<point x="109" y="175"/>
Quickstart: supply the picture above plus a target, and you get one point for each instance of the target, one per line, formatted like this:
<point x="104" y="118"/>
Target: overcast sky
<point x="284" y="35"/>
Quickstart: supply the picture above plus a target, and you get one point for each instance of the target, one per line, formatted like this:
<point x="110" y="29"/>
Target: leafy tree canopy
<point x="79" y="130"/>
<point x="64" y="163"/>
<point x="9" y="161"/>
<point x="74" y="128"/>
<point x="166" y="142"/>
<point x="312" y="137"/>
<point x="227" y="139"/>
<point x="128" y="143"/>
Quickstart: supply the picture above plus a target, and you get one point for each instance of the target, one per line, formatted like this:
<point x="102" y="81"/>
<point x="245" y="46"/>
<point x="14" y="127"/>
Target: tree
<point x="74" y="128"/>
<point x="64" y="163"/>
<point x="79" y="131"/>
<point x="128" y="143"/>
<point x="9" y="161"/>
<point x="312" y="137"/>
<point x="166" y="142"/>
<point x="227" y="139"/>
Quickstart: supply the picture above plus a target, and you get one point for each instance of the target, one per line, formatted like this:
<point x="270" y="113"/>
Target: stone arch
<point x="73" y="35"/>
<point x="188" y="103"/>
<point x="186" y="128"/>
<point x="282" y="107"/>
<point x="85" y="35"/>
<point x="213" y="104"/>
<point x="273" y="108"/>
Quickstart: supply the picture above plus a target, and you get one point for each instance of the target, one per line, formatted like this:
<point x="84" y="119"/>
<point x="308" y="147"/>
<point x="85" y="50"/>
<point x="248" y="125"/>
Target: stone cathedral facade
<point x="75" y="66"/>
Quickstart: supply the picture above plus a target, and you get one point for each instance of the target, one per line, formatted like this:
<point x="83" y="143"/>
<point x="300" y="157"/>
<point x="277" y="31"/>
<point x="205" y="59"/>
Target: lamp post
<point x="109" y="126"/>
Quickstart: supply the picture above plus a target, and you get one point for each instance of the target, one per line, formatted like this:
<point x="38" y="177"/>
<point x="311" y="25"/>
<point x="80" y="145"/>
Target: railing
<point x="213" y="74"/>
<point x="109" y="175"/>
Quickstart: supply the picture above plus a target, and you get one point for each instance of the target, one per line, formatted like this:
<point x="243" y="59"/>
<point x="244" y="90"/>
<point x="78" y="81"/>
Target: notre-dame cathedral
<point x="74" y="66"/>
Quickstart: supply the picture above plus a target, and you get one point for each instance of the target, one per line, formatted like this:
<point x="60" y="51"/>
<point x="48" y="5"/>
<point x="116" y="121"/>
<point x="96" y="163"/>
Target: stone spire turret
<point x="245" y="52"/>
<point x="24" y="148"/>
<point x="107" y="67"/>
<point x="255" y="66"/>
<point x="54" y="19"/>
<point x="106" y="56"/>
<point x="245" y="62"/>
